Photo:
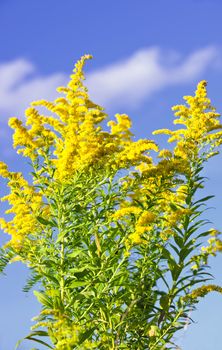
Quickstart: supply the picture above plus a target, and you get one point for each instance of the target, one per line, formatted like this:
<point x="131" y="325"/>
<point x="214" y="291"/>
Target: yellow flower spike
<point x="199" y="119"/>
<point x="32" y="112"/>
<point x="135" y="238"/>
<point x="146" y="217"/>
<point x="25" y="204"/>
<point x="4" y="170"/>
<point x="165" y="153"/>
<point x="76" y="140"/>
<point x="121" y="128"/>
<point x="14" y="122"/>
<point x="202" y="291"/>
<point x="121" y="213"/>
<point x="21" y="137"/>
<point x="201" y="89"/>
<point x="162" y="131"/>
<point x="78" y="75"/>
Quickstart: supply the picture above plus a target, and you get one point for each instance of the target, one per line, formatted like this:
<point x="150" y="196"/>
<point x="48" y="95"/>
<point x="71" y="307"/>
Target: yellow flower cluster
<point x="165" y="153"/>
<point x="156" y="184"/>
<point x="198" y="139"/>
<point x="123" y="212"/>
<point x="215" y="245"/>
<point x="142" y="226"/>
<point x="181" y="193"/>
<point x="202" y="291"/>
<point x="122" y="127"/>
<point x="165" y="234"/>
<point x="201" y="125"/>
<point x="143" y="223"/>
<point x="25" y="204"/>
<point x="174" y="217"/>
<point x="74" y="135"/>
<point x="66" y="334"/>
<point x="146" y="217"/>
<point x="4" y="170"/>
<point x="31" y="141"/>
<point x="135" y="152"/>
<point x="164" y="168"/>
<point x="137" y="236"/>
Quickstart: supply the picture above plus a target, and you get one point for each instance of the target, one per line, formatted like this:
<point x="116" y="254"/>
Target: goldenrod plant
<point x="112" y="229"/>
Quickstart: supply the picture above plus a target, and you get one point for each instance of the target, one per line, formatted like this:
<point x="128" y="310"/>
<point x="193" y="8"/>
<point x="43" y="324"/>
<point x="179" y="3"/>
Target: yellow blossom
<point x="123" y="212"/>
<point x="146" y="217"/>
<point x="4" y="170"/>
<point x="199" y="119"/>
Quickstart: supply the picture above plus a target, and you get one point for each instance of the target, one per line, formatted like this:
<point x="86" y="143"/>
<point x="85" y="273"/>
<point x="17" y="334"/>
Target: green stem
<point x="62" y="246"/>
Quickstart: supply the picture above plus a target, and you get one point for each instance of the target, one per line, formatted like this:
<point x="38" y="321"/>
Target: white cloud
<point x="20" y="84"/>
<point x="124" y="83"/>
<point x="130" y="81"/>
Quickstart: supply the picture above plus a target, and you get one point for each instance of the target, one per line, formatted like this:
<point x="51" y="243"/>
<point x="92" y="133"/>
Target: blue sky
<point x="147" y="55"/>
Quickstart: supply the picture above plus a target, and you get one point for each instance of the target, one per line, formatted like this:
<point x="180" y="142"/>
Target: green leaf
<point x="191" y="283"/>
<point x="173" y="207"/>
<point x="76" y="284"/>
<point x="203" y="234"/>
<point x="84" y="268"/>
<point x="75" y="253"/>
<point x="175" y="248"/>
<point x="39" y="333"/>
<point x="179" y="241"/>
<point x="45" y="222"/>
<point x="43" y="299"/>
<point x="164" y="302"/>
<point x="203" y="199"/>
<point x="31" y="337"/>
<point x="86" y="335"/>
<point x="61" y="235"/>
<point x="31" y="281"/>
<point x="5" y="257"/>
<point x="185" y="252"/>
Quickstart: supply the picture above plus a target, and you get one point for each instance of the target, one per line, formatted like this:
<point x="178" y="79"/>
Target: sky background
<point x="147" y="55"/>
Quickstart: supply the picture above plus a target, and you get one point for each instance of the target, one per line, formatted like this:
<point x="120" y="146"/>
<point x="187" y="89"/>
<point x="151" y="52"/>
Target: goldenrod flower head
<point x="165" y="153"/>
<point x="73" y="139"/>
<point x="199" y="119"/>
<point x="4" y="170"/>
<point x="135" y="238"/>
<point x="146" y="217"/>
<point x="202" y="291"/>
<point x="123" y="212"/>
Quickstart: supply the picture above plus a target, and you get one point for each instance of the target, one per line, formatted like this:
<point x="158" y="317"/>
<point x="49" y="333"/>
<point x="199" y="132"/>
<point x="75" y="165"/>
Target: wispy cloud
<point x="124" y="83"/>
<point x="20" y="84"/>
<point x="147" y="71"/>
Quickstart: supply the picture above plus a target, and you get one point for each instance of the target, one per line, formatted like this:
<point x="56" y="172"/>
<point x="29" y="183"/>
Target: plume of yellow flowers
<point x="26" y="204"/>
<point x="74" y="134"/>
<point x="201" y="123"/>
<point x="68" y="141"/>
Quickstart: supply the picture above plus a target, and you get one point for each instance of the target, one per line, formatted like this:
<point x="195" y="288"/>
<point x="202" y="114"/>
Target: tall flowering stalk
<point x="111" y="237"/>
